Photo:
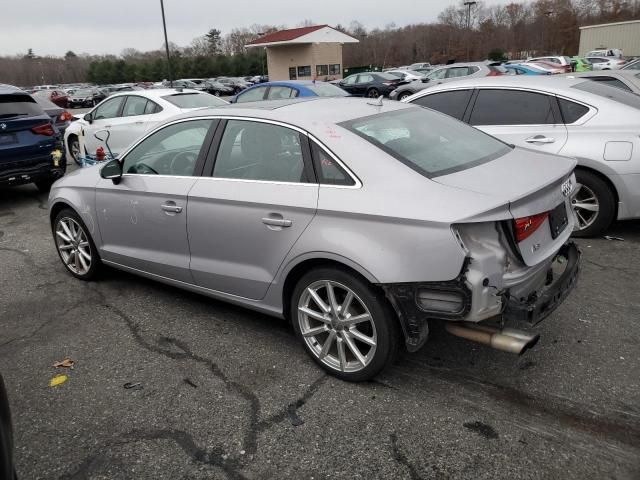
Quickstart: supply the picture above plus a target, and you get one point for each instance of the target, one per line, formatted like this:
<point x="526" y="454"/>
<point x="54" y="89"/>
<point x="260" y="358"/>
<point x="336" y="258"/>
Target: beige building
<point x="622" y="35"/>
<point x="305" y="53"/>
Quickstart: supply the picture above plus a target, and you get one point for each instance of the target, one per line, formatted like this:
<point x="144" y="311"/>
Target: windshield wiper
<point x="9" y="115"/>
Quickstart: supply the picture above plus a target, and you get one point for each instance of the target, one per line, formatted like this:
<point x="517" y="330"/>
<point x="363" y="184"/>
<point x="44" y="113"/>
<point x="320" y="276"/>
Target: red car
<point x="58" y="97"/>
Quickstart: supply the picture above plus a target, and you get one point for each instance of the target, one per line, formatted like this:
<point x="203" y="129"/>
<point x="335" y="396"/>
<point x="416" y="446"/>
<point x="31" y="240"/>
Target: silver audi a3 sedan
<point x="359" y="222"/>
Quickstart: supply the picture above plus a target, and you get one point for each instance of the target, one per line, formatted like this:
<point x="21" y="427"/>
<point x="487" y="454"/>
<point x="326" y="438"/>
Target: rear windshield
<point x="326" y="90"/>
<point x="431" y="143"/>
<point x="18" y="105"/>
<point x="612" y="93"/>
<point x="194" y="100"/>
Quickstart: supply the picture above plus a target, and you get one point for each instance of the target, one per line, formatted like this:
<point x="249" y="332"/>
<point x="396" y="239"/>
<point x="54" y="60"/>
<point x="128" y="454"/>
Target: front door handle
<point x="540" y="139"/>
<point x="171" y="207"/>
<point x="277" y="222"/>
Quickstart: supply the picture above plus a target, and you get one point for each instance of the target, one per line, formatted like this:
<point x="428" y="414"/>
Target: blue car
<point x="288" y="89"/>
<point x="517" y="69"/>
<point x="30" y="143"/>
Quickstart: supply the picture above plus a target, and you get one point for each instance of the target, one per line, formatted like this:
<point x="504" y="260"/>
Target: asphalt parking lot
<point x="221" y="392"/>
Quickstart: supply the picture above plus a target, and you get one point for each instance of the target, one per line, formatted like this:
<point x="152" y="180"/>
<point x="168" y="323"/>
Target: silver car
<point x="594" y="123"/>
<point x="357" y="221"/>
<point x="446" y="74"/>
<point x="627" y="80"/>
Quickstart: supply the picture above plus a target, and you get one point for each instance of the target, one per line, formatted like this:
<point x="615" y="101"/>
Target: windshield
<point x="431" y="143"/>
<point x="610" y="92"/>
<point x="18" y="105"/>
<point x="80" y="93"/>
<point x="194" y="100"/>
<point x="326" y="90"/>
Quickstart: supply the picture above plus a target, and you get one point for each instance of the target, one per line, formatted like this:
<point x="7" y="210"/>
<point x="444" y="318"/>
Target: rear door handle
<point x="171" y="207"/>
<point x="277" y="222"/>
<point x="540" y="139"/>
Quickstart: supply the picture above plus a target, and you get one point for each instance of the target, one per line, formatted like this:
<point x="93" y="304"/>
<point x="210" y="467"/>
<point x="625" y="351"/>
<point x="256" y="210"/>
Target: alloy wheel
<point x="74" y="149"/>
<point x="337" y="326"/>
<point x="586" y="206"/>
<point x="373" y="93"/>
<point x="73" y="246"/>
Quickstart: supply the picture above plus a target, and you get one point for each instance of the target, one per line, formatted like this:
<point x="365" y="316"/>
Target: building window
<point x="304" y="71"/>
<point x="334" y="69"/>
<point x="322" y="70"/>
<point x="292" y="74"/>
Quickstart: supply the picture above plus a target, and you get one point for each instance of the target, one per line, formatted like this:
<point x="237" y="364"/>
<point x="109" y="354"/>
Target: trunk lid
<point x="530" y="183"/>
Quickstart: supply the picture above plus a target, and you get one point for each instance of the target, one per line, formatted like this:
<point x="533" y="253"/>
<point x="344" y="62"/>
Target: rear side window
<point x="452" y="103"/>
<point x="18" y="105"/>
<point x="327" y="169"/>
<point x="512" y="107"/>
<point x="571" y="111"/>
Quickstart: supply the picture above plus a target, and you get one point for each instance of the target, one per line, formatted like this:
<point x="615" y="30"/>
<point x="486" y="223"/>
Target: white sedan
<point x="129" y="115"/>
<point x="606" y="63"/>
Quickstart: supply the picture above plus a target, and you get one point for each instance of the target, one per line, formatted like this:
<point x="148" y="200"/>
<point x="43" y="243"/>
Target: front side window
<point x="351" y="80"/>
<point x="304" y="71"/>
<point x="322" y="70"/>
<point x="334" y="69"/>
<point x="172" y="151"/>
<point x="260" y="151"/>
<point x="438" y="74"/>
<point x="452" y="103"/>
<point x="428" y="142"/>
<point x="327" y="169"/>
<point x="134" y="106"/>
<point x="252" y="95"/>
<point x="512" y="107"/>
<point x="108" y="109"/>
<point x="278" y="93"/>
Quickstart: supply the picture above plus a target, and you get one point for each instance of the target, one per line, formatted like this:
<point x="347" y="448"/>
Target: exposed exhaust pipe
<point x="507" y="340"/>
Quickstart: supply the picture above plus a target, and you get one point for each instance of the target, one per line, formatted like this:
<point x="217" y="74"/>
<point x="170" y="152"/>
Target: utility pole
<point x="469" y="5"/>
<point x="166" y="44"/>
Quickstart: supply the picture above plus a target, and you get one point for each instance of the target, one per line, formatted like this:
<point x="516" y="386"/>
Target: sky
<point x="109" y="26"/>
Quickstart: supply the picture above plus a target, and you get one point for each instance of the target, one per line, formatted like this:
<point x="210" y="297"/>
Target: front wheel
<point x="74" y="149"/>
<point x="373" y="93"/>
<point x="403" y="96"/>
<point x="594" y="205"/>
<point x="75" y="246"/>
<point x="344" y="323"/>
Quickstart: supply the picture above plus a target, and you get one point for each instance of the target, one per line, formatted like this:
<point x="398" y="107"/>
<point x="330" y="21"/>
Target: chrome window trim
<point x="356" y="180"/>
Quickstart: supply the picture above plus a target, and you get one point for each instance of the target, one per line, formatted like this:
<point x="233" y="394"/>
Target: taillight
<point x="494" y="73"/>
<point x="525" y="226"/>
<point x="44" y="129"/>
<point x="65" y="117"/>
<point x="389" y="83"/>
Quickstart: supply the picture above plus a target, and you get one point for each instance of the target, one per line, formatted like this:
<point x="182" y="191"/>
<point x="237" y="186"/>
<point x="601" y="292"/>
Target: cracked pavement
<point x="226" y="393"/>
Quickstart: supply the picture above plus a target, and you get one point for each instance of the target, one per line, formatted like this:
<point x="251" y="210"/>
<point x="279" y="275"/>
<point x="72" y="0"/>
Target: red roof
<point x="286" y="35"/>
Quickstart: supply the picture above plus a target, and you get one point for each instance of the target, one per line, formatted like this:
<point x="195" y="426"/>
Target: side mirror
<point x="426" y="80"/>
<point x="112" y="171"/>
<point x="88" y="118"/>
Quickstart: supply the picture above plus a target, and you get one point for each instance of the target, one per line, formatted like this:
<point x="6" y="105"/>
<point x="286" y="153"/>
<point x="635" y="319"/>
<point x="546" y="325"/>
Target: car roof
<point x="6" y="89"/>
<point x="310" y="113"/>
<point x="155" y="93"/>
<point x="286" y="83"/>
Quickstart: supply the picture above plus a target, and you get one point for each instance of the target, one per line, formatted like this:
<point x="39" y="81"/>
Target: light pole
<point x="166" y="44"/>
<point x="469" y="5"/>
<point x="547" y="14"/>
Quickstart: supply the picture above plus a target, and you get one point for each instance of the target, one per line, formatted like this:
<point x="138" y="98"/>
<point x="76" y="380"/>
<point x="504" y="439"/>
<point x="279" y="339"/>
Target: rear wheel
<point x="594" y="205"/>
<point x="404" y="95"/>
<point x="373" y="93"/>
<point x="344" y="323"/>
<point x="75" y="245"/>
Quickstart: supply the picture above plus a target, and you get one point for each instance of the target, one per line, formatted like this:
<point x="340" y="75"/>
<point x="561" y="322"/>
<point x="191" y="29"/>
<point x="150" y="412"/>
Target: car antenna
<point x="378" y="102"/>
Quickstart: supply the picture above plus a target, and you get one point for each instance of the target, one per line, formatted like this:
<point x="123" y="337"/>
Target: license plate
<point x="7" y="139"/>
<point x="558" y="220"/>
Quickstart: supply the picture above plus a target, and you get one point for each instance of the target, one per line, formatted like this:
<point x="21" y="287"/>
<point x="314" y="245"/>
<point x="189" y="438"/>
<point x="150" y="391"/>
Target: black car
<point x="7" y="470"/>
<point x="31" y="148"/>
<point x="217" y="88"/>
<point x="370" y="84"/>
<point x="86" y="97"/>
<point x="236" y="84"/>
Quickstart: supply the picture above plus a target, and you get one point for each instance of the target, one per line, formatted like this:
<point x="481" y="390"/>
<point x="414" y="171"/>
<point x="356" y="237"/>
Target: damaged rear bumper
<point x="540" y="306"/>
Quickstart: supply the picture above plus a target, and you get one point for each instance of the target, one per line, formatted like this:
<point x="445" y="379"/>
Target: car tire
<point x="75" y="246"/>
<point x="373" y="93"/>
<point x="404" y="95"/>
<point x="375" y="335"/>
<point x="216" y="93"/>
<point x="44" y="185"/>
<point x="74" y="149"/>
<point x="593" y="192"/>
